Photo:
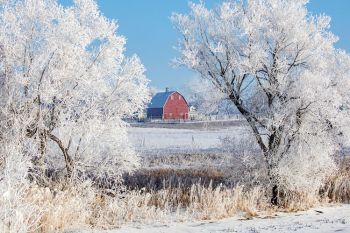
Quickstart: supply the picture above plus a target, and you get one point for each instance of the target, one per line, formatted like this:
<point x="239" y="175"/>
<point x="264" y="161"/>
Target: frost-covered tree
<point x="66" y="85"/>
<point x="277" y="64"/>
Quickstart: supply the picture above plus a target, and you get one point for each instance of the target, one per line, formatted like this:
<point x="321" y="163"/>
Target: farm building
<point x="168" y="105"/>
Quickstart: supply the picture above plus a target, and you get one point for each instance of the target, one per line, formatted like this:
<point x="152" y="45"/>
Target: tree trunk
<point x="67" y="158"/>
<point x="268" y="149"/>
<point x="42" y="149"/>
<point x="273" y="181"/>
<point x="274" y="199"/>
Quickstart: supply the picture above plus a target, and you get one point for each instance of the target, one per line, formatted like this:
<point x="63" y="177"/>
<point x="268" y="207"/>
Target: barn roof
<point x="159" y="100"/>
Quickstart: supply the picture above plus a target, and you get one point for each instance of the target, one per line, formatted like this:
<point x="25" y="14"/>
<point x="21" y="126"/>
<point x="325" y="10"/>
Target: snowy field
<point x="187" y="137"/>
<point x="146" y="139"/>
<point x="319" y="220"/>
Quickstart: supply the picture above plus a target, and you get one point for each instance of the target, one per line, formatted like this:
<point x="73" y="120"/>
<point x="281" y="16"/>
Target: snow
<point x="186" y="139"/>
<point x="320" y="220"/>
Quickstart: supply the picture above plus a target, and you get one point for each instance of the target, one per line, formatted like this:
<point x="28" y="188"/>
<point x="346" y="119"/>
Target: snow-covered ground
<point x="184" y="139"/>
<point x="319" y="220"/>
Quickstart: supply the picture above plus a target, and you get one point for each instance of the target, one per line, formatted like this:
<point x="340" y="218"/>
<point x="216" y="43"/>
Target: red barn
<point x="168" y="105"/>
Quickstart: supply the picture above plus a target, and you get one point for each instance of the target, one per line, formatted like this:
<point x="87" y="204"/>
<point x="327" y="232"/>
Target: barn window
<point x="179" y="97"/>
<point x="172" y="97"/>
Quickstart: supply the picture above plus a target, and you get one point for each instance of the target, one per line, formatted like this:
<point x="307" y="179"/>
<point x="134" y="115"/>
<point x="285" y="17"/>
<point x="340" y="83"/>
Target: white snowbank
<point x="318" y="220"/>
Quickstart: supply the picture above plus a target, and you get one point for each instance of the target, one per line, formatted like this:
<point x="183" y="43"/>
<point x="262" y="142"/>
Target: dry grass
<point x="82" y="207"/>
<point x="297" y="201"/>
<point x="74" y="209"/>
<point x="78" y="207"/>
<point x="85" y="207"/>
<point x="59" y="210"/>
<point x="218" y="203"/>
<point x="162" y="178"/>
<point x="337" y="187"/>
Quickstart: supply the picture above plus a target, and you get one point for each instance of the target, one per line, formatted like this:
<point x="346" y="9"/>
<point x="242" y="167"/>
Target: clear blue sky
<point x="150" y="34"/>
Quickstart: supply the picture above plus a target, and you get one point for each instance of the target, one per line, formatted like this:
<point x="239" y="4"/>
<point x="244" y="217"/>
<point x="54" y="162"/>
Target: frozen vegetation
<point x="69" y="161"/>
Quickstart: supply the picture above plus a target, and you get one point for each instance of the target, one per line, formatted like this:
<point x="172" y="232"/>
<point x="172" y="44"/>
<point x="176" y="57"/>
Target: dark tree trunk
<point x="274" y="199"/>
<point x="273" y="183"/>
<point x="42" y="148"/>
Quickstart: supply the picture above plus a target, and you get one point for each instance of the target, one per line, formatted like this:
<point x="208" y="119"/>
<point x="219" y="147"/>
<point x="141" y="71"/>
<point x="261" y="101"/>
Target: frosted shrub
<point x="308" y="169"/>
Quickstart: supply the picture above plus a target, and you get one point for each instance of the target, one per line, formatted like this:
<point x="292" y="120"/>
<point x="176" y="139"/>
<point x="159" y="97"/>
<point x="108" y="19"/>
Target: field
<point x="188" y="153"/>
<point x="197" y="136"/>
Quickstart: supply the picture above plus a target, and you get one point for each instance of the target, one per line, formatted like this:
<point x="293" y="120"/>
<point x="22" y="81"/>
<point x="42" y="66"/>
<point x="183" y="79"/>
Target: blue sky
<point x="150" y="34"/>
